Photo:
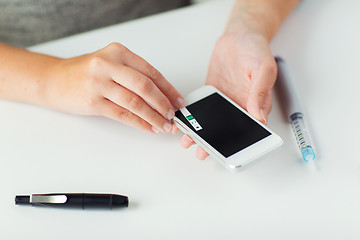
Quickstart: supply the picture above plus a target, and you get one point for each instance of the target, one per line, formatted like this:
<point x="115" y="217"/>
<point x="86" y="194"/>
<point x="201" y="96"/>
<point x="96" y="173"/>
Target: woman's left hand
<point x="243" y="68"/>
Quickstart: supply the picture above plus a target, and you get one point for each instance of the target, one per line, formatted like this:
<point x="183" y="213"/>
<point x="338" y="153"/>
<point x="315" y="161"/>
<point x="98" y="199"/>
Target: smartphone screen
<point x="225" y="127"/>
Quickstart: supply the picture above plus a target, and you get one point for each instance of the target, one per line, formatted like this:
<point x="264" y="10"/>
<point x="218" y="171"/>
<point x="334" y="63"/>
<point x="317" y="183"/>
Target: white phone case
<point x="243" y="156"/>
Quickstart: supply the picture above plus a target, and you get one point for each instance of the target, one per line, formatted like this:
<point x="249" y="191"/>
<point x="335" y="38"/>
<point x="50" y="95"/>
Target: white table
<point x="173" y="195"/>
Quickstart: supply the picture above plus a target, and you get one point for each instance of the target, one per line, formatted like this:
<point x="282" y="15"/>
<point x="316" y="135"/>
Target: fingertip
<point x="167" y="127"/>
<point x="177" y="101"/>
<point x="186" y="141"/>
<point x="201" y="154"/>
<point x="154" y="130"/>
<point x="170" y="115"/>
<point x="180" y="102"/>
<point x="174" y="130"/>
<point x="263" y="116"/>
<point x="256" y="115"/>
<point x="255" y="111"/>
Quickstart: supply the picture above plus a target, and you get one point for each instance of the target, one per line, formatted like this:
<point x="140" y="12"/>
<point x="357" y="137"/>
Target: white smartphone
<point x="225" y="130"/>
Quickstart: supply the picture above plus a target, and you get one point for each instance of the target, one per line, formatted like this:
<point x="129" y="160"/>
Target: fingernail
<point x="181" y="102"/>
<point x="167" y="127"/>
<point x="173" y="130"/>
<point x="263" y="115"/>
<point x="171" y="114"/>
<point x="155" y="130"/>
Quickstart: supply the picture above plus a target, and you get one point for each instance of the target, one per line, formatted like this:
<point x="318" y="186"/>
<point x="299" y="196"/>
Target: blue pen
<point x="293" y="111"/>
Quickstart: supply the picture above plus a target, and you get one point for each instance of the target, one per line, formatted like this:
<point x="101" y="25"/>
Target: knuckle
<point x="156" y="119"/>
<point x="153" y="73"/>
<point x="144" y="84"/>
<point x="92" y="103"/>
<point x="270" y="68"/>
<point x="123" y="115"/>
<point x="134" y="103"/>
<point x="164" y="103"/>
<point x="126" y="115"/>
<point x="97" y="61"/>
<point x="261" y="94"/>
<point x="117" y="47"/>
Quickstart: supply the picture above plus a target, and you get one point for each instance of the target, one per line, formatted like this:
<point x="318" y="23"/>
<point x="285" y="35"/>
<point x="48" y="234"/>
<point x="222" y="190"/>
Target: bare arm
<point x="112" y="82"/>
<point x="242" y="65"/>
<point x="23" y="74"/>
<point x="248" y="72"/>
<point x="262" y="16"/>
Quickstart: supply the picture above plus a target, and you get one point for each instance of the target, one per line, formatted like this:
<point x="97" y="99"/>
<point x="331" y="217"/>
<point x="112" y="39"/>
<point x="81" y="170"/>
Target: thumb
<point x="259" y="105"/>
<point x="255" y="106"/>
<point x="260" y="95"/>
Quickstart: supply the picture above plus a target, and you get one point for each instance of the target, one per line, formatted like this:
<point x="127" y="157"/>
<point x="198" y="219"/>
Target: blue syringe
<point x="293" y="111"/>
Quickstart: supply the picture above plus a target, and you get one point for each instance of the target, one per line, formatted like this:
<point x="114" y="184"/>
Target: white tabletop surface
<point x="172" y="194"/>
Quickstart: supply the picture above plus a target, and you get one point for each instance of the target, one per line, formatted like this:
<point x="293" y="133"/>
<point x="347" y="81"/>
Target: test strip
<point x="190" y="118"/>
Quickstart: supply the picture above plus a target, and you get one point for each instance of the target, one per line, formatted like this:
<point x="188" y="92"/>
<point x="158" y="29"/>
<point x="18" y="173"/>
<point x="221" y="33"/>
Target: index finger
<point x="139" y="64"/>
<point x="143" y="87"/>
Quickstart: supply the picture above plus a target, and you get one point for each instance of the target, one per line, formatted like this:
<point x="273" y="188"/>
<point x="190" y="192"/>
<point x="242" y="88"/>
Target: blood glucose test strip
<point x="190" y="118"/>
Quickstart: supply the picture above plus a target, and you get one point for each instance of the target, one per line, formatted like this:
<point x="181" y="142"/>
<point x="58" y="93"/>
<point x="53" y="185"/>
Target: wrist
<point x="244" y="37"/>
<point x="23" y="74"/>
<point x="46" y="89"/>
<point x="246" y="22"/>
<point x="261" y="16"/>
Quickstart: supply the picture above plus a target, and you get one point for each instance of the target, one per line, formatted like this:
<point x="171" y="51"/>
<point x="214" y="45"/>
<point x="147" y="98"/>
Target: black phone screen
<point x="224" y="126"/>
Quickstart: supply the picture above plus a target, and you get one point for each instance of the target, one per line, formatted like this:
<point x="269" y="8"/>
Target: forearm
<point x="262" y="16"/>
<point x="23" y="74"/>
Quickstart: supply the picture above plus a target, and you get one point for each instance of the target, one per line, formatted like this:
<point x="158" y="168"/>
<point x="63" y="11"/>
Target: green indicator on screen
<point x="190" y="119"/>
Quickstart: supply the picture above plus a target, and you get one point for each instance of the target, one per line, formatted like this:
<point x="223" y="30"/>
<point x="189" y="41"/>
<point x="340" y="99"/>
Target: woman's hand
<point x="242" y="67"/>
<point x="115" y="83"/>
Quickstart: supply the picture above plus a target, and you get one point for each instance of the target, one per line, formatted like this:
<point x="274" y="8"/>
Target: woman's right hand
<point x="115" y="83"/>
